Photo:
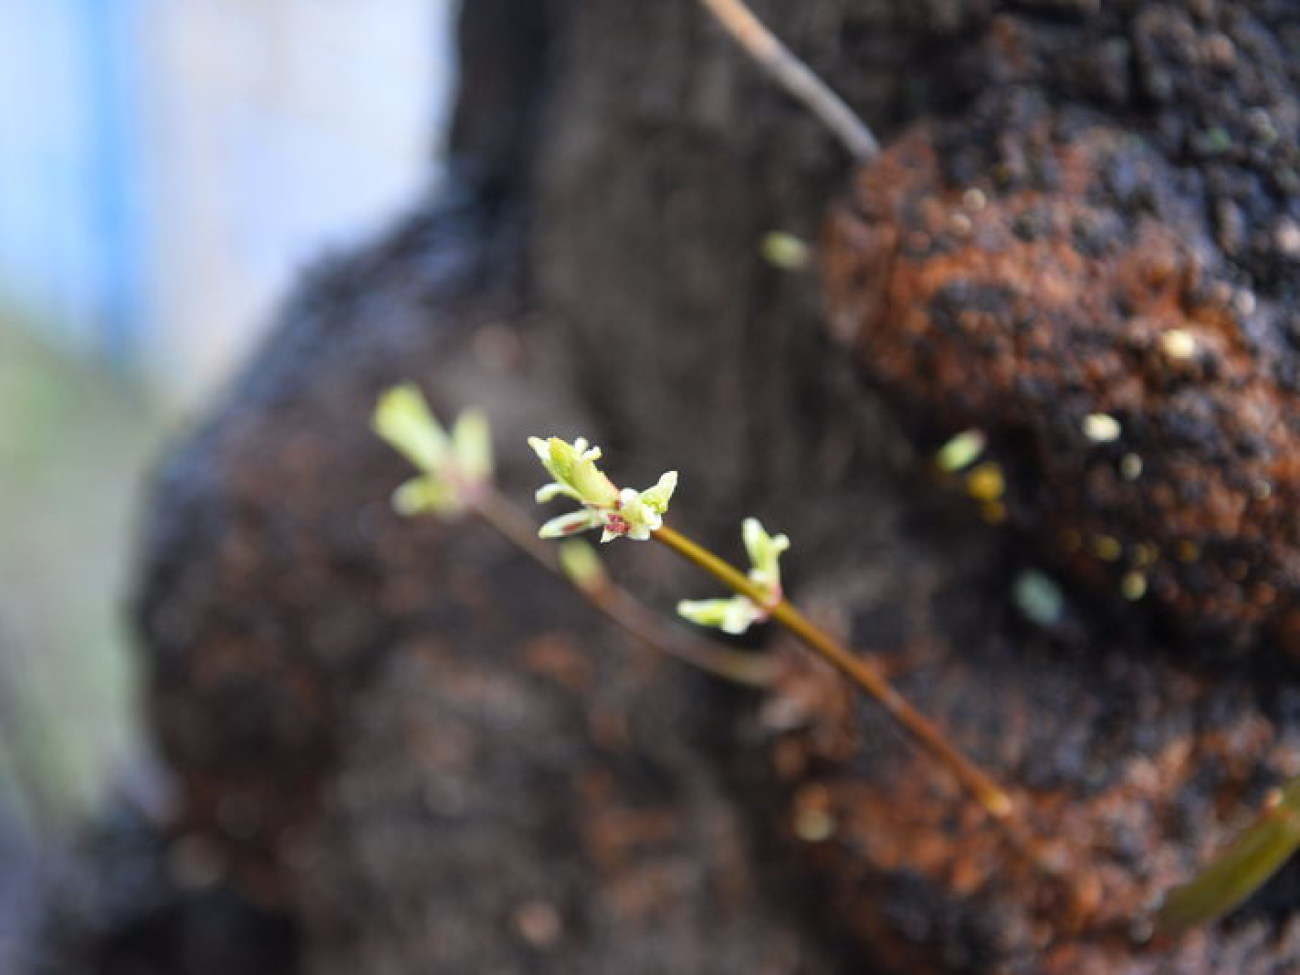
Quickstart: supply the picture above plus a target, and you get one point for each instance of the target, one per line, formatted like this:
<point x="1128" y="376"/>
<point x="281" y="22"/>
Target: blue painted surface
<point x="70" y="231"/>
<point x="110" y="36"/>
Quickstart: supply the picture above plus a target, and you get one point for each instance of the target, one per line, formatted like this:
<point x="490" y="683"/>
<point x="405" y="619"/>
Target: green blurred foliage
<point x="1241" y="869"/>
<point x="74" y="443"/>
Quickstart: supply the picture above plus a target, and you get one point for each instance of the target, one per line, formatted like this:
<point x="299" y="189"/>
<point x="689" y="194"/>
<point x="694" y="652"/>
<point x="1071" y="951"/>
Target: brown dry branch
<point x="799" y="81"/>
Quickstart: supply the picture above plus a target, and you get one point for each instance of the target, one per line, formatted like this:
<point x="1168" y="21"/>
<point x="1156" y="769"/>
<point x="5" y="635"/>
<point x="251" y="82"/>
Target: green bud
<point x="403" y="419"/>
<point x="471" y="440"/>
<point x="961" y="451"/>
<point x="734" y="615"/>
<point x="453" y="468"/>
<point x="764" y="553"/>
<point x="785" y="251"/>
<point x="581" y="564"/>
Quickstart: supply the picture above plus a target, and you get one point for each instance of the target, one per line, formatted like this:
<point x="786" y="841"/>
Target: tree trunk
<point x="1080" y="239"/>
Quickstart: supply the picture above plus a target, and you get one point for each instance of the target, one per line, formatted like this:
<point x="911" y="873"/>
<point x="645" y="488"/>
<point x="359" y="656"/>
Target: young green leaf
<point x="1239" y="870"/>
<point x="622" y="513"/>
<point x="736" y="614"/>
<point x="454" y="468"/>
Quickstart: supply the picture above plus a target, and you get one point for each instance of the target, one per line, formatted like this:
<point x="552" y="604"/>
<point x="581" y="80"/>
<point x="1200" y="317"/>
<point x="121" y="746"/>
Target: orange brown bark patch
<point x="1070" y="306"/>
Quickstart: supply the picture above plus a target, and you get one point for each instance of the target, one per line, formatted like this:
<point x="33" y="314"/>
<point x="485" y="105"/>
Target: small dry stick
<point x="794" y="76"/>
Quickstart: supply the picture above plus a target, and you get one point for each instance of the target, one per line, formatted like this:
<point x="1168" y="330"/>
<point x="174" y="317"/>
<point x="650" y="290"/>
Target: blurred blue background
<point x="166" y="167"/>
<point x="166" y="164"/>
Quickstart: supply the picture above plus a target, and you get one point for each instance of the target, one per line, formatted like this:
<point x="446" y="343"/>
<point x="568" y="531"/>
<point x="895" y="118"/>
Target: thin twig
<point x="794" y="76"/>
<point x="991" y="797"/>
<point x="980" y="785"/>
<point x="752" y="670"/>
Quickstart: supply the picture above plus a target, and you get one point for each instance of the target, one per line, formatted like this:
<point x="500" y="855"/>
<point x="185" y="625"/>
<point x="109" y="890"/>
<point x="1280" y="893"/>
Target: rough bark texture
<point x="433" y="758"/>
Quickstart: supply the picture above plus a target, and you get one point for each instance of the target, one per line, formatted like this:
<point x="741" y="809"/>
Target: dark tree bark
<point x="434" y="758"/>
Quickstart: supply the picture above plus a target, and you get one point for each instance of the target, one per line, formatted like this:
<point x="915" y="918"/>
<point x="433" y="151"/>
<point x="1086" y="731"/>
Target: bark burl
<point x="435" y="758"/>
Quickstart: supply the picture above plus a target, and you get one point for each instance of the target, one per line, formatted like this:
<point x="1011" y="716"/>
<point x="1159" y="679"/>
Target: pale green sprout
<point x="573" y="465"/>
<point x="581" y="564"/>
<point x="454" y="467"/>
<point x="785" y="251"/>
<point x="737" y="614"/>
<point x="620" y="513"/>
<point x="961" y="451"/>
